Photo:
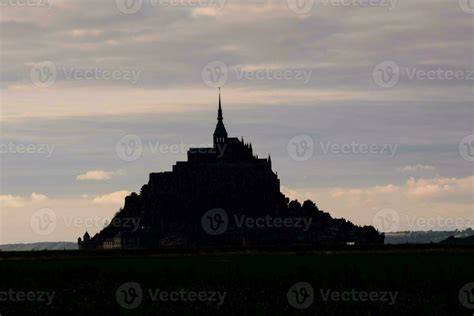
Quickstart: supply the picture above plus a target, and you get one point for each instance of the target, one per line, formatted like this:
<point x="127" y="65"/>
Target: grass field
<point x="385" y="281"/>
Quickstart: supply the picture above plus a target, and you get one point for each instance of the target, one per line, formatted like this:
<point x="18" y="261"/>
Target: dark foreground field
<point x="387" y="281"/>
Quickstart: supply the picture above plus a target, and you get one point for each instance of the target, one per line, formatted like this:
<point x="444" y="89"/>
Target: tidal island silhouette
<point x="222" y="196"/>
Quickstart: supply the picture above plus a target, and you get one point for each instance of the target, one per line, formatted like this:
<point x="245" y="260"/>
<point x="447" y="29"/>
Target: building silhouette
<point x="222" y="196"/>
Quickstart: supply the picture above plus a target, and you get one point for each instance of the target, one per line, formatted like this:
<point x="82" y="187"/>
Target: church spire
<point x="219" y="112"/>
<point x="220" y="133"/>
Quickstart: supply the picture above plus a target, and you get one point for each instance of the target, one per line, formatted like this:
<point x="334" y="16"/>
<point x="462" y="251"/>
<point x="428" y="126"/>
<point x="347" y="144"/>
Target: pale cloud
<point x="71" y="216"/>
<point x="205" y="11"/>
<point x="296" y="195"/>
<point x="415" y="168"/>
<point x="340" y="44"/>
<point x="365" y="192"/>
<point x="112" y="198"/>
<point x="38" y="197"/>
<point x="98" y="175"/>
<point x="422" y="204"/>
<point x="441" y="188"/>
<point x="11" y="201"/>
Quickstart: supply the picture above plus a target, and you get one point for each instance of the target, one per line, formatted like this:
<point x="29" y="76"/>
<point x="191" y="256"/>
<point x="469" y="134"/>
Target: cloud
<point x="98" y="175"/>
<point x="340" y="44"/>
<point x="111" y="198"/>
<point x="205" y="11"/>
<point x="441" y="188"/>
<point x="365" y="192"/>
<point x="296" y="195"/>
<point x="10" y="201"/>
<point x="38" y="197"/>
<point x="7" y="201"/>
<point x="415" y="168"/>
<point x="72" y="216"/>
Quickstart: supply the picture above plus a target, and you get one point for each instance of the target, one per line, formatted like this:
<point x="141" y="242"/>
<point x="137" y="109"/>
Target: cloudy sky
<point x="365" y="106"/>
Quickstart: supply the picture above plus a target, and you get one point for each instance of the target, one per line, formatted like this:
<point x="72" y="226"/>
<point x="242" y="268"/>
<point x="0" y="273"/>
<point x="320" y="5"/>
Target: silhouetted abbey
<point x="172" y="209"/>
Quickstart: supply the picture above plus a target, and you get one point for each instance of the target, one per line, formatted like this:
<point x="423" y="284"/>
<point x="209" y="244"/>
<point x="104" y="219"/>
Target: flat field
<point x="411" y="280"/>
